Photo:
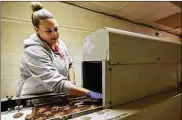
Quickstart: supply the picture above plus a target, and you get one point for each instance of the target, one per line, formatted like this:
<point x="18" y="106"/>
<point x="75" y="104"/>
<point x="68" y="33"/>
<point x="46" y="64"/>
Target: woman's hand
<point x="71" y="74"/>
<point x="94" y="95"/>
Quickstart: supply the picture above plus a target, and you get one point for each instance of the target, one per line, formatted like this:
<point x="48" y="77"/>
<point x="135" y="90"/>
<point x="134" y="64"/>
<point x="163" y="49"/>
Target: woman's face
<point x="48" y="31"/>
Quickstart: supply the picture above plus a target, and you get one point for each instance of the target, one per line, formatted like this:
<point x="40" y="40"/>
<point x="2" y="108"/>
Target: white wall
<point x="74" y="23"/>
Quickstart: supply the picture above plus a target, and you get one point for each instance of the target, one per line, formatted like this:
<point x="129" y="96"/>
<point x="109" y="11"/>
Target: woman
<point x="46" y="65"/>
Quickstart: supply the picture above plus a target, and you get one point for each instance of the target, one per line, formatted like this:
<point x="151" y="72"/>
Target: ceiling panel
<point x="94" y="6"/>
<point x="177" y="3"/>
<point x="124" y="14"/>
<point x="113" y="5"/>
<point x="163" y="15"/>
<point x="173" y="21"/>
<point x="151" y="11"/>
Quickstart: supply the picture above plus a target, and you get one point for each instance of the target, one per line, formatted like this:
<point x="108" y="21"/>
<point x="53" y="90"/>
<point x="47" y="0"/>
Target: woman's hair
<point x="39" y="13"/>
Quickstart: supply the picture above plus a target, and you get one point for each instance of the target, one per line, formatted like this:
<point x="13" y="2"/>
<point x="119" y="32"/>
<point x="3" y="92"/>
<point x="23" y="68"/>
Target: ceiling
<point x="160" y="15"/>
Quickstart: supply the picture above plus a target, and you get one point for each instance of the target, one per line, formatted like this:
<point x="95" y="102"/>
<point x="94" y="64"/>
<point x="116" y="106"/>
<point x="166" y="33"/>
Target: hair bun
<point x="36" y="6"/>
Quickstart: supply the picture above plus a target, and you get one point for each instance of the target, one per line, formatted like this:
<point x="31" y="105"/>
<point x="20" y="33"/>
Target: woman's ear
<point x="36" y="30"/>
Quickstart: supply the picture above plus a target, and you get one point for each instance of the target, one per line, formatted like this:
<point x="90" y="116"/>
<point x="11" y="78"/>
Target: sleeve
<point x="41" y="67"/>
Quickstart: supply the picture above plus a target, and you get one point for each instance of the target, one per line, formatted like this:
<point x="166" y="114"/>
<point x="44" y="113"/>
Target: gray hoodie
<point x="41" y="70"/>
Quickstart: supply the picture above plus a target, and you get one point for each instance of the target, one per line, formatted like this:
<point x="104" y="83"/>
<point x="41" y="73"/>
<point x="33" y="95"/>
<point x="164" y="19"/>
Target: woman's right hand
<point x="94" y="95"/>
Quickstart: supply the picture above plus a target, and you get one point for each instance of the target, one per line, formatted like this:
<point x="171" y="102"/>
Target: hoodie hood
<point x="33" y="40"/>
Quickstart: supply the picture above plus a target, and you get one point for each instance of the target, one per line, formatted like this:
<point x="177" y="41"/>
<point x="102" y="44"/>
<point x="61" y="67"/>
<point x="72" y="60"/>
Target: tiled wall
<point x="74" y="23"/>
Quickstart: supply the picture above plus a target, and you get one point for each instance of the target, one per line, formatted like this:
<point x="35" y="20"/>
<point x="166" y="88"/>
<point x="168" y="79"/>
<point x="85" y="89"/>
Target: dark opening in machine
<point x="92" y="75"/>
